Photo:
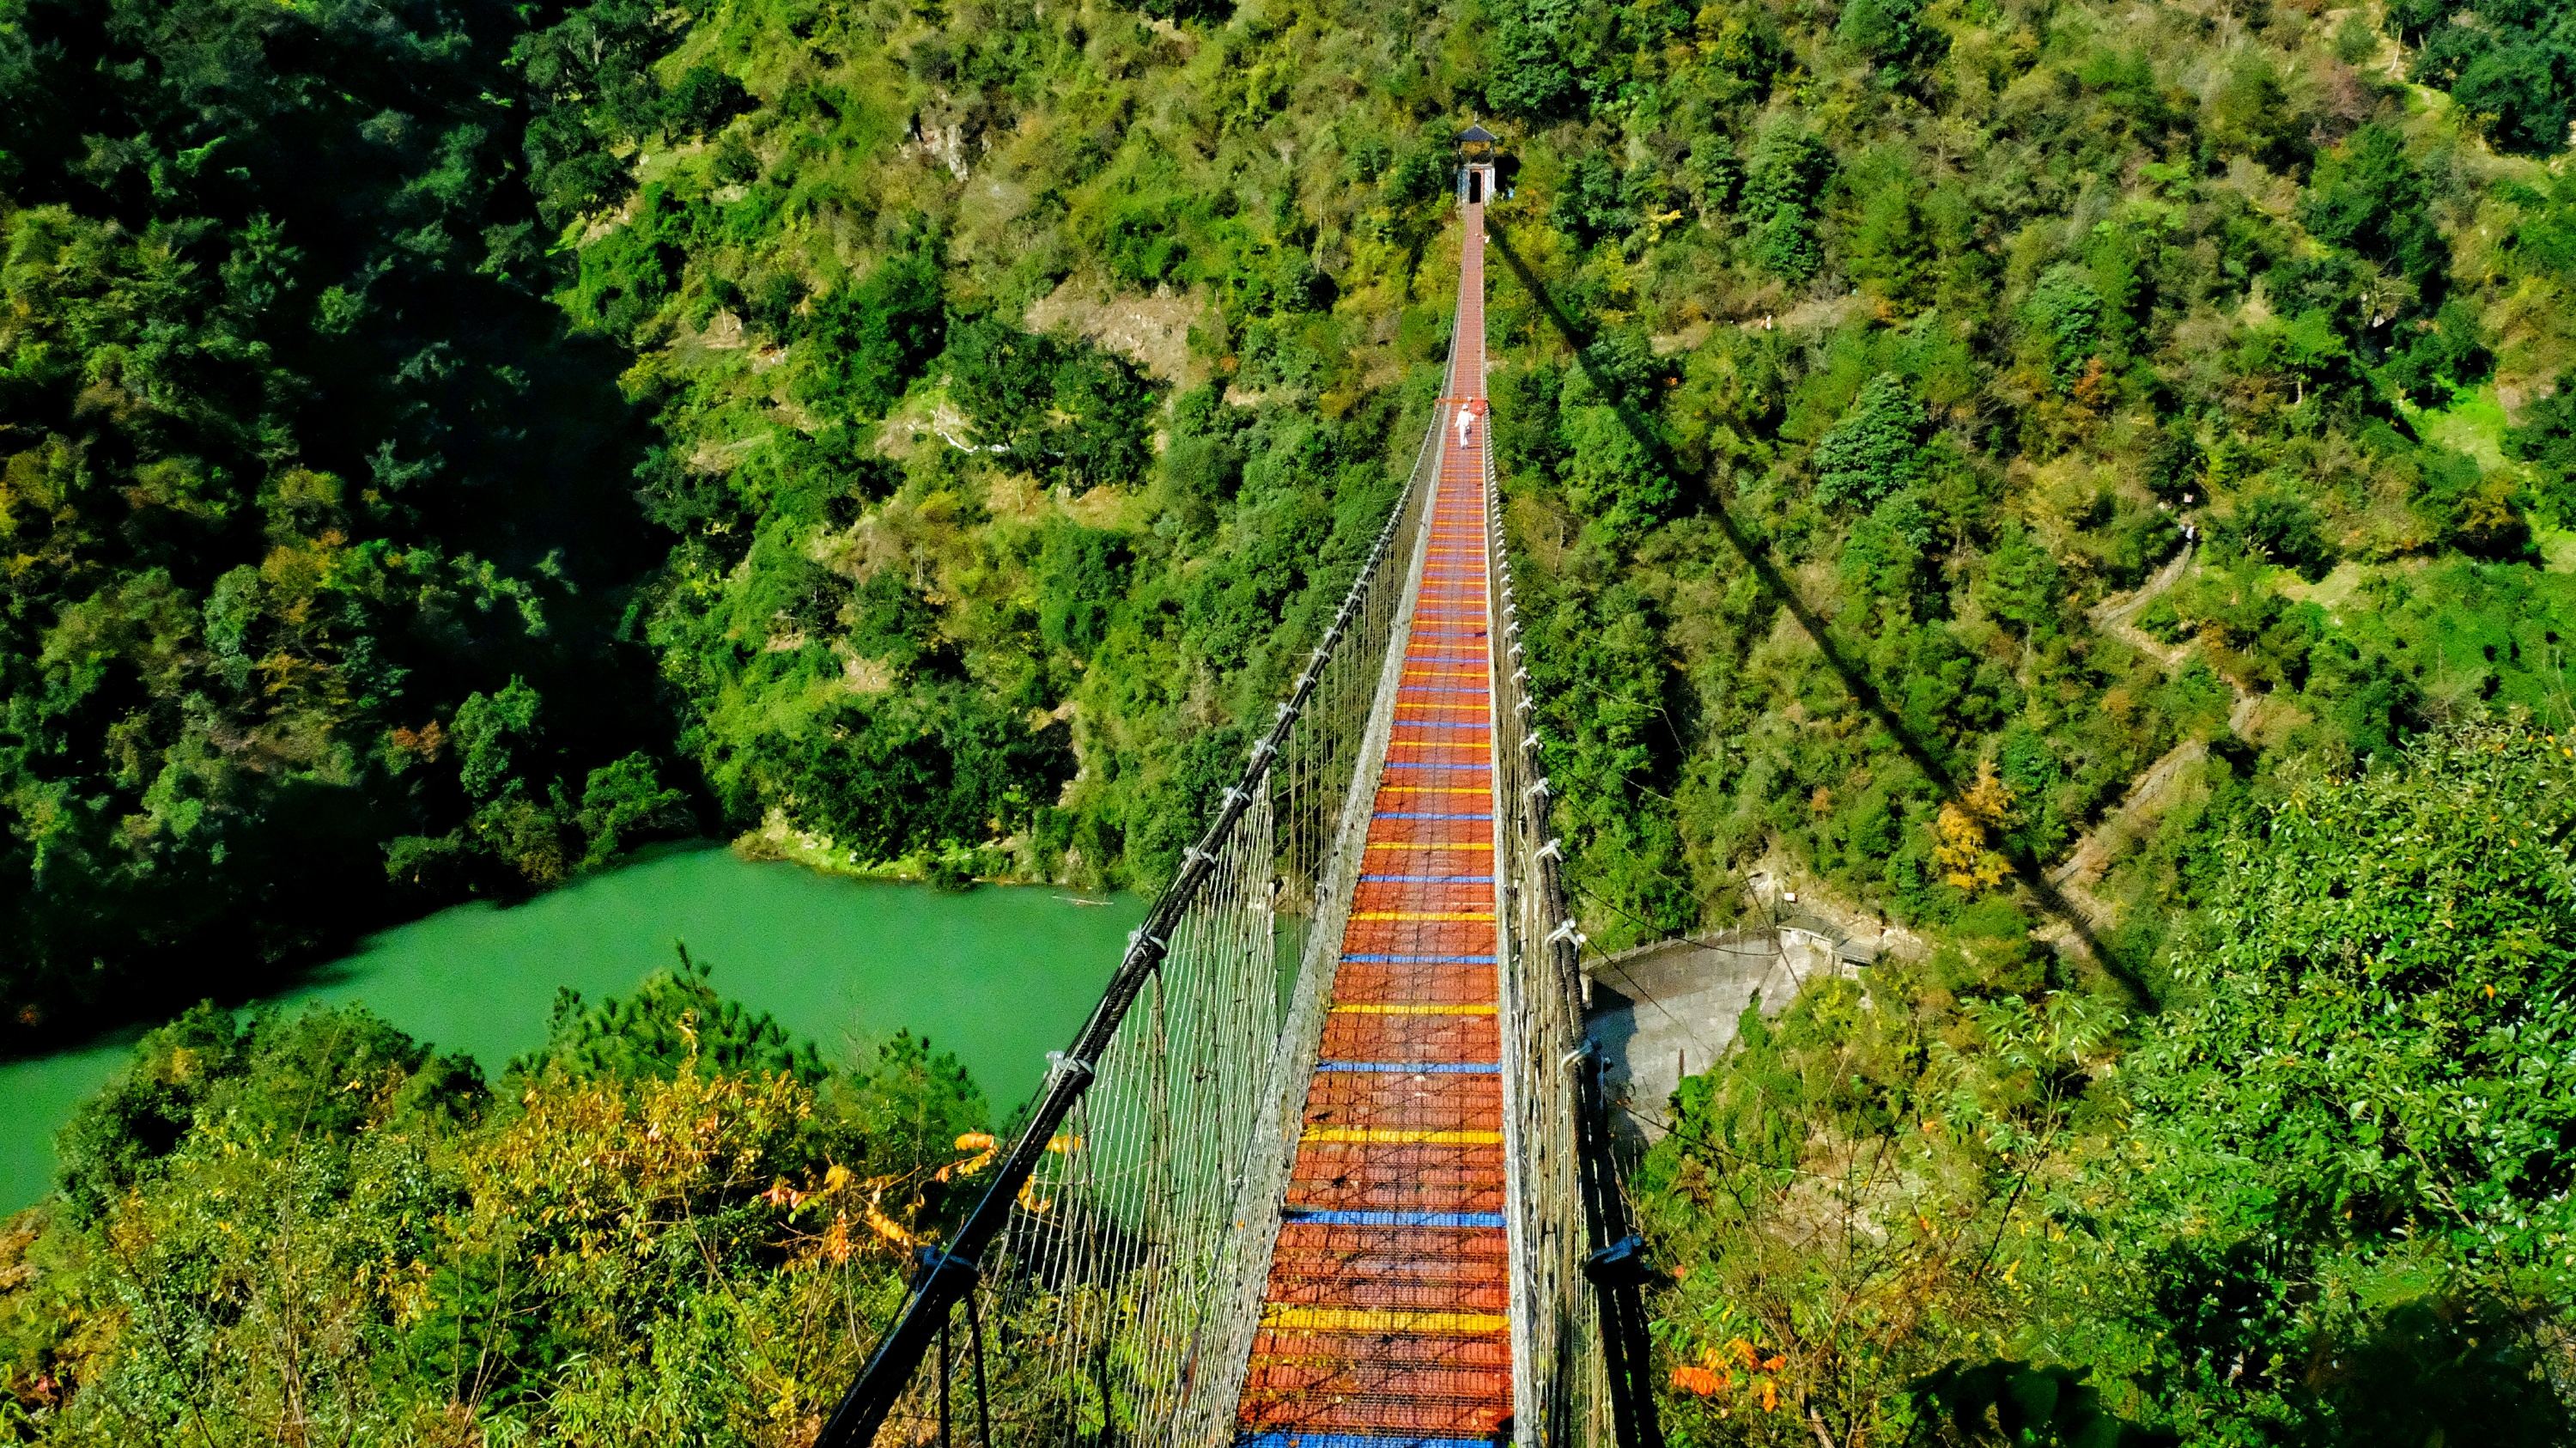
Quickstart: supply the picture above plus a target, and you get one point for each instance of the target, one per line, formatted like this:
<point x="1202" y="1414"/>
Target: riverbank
<point x="999" y="976"/>
<point x="1007" y="862"/>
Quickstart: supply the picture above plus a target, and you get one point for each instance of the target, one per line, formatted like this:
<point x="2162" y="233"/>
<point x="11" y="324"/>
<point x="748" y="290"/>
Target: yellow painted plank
<point x="1280" y="1316"/>
<point x="1397" y="1136"/>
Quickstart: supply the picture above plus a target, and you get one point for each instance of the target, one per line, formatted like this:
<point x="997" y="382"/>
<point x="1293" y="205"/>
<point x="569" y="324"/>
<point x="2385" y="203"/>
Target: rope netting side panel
<point x="1556" y="1322"/>
<point x="1106" y="1283"/>
<point x="1327" y="785"/>
<point x="1579" y="1323"/>
<point x="1120" y="1243"/>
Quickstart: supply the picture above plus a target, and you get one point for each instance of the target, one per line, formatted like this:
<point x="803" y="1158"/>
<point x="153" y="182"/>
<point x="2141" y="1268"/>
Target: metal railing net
<point x="1118" y="1257"/>
<point x="1559" y="1362"/>
<point x="1580" y="1355"/>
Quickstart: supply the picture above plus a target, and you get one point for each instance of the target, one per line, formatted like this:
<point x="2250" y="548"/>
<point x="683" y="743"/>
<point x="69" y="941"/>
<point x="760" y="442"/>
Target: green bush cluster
<point x="2320" y="1197"/>
<point x="662" y="1222"/>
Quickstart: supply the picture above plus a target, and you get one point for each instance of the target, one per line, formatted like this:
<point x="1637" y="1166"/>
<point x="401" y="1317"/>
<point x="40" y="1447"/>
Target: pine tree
<point x="1876" y="450"/>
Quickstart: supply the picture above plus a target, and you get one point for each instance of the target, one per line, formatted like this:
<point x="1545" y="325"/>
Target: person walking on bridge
<point x="1468" y="412"/>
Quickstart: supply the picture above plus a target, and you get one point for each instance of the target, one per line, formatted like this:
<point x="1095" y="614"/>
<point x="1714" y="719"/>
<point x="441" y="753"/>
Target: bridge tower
<point x="1477" y="153"/>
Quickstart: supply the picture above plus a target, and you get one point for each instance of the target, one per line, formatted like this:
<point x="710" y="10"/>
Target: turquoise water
<point x="999" y="975"/>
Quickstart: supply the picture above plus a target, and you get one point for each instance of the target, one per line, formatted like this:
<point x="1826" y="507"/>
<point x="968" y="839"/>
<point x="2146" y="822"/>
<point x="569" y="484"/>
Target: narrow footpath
<point x="1386" y="1321"/>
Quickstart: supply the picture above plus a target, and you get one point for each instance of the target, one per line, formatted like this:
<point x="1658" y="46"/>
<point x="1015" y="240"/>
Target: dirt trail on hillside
<point x="2148" y="794"/>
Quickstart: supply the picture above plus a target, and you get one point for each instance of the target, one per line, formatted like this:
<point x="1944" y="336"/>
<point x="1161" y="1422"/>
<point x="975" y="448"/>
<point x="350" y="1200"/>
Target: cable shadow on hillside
<point x="2025" y="868"/>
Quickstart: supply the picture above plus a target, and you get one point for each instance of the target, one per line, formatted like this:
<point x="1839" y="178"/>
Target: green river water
<point x="999" y="975"/>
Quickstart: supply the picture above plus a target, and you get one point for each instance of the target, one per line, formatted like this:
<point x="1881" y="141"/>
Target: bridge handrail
<point x="1564" y="1105"/>
<point x="945" y="1276"/>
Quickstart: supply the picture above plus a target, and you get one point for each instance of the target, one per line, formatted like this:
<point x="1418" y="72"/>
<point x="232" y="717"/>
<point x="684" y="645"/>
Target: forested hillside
<point x="449" y="446"/>
<point x="317" y="527"/>
<point x="1961" y="319"/>
<point x="898" y="431"/>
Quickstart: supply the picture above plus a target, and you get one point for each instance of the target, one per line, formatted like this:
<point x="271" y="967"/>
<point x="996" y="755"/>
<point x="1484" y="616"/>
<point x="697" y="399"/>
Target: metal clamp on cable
<point x="1621" y="1264"/>
<point x="1538" y="790"/>
<point x="1062" y="1068"/>
<point x="937" y="1270"/>
<point x="1261" y="752"/>
<point x="1565" y="931"/>
<point x="1552" y="850"/>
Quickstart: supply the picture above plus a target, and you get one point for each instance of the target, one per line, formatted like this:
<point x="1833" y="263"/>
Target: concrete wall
<point x="1665" y="1011"/>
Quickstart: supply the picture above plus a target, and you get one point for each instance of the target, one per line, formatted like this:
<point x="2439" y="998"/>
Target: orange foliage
<point x="1692" y="1378"/>
<point x="1964" y="832"/>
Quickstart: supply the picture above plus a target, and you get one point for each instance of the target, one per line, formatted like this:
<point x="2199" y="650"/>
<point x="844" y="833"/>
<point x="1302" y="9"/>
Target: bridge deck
<point x="1387" y="1320"/>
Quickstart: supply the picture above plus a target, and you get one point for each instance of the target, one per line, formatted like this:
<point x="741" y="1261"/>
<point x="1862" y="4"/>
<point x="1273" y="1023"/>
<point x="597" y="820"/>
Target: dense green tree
<point x="674" y="1022"/>
<point x="2510" y="64"/>
<point x="2022" y="582"/>
<point x="1534" y="75"/>
<point x="1784" y="185"/>
<point x="1083" y="571"/>
<point x="2547" y="440"/>
<point x="1590" y="205"/>
<point x="1876" y="450"/>
<point x="2066" y="310"/>
<point x="1894" y="33"/>
<point x="873" y="338"/>
<point x="2368" y="196"/>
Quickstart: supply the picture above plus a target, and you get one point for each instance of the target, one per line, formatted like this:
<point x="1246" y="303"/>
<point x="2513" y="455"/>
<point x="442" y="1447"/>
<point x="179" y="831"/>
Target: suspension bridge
<point x="1328" y="1166"/>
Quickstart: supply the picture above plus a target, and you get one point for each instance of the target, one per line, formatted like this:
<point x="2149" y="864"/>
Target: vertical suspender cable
<point x="975" y="1345"/>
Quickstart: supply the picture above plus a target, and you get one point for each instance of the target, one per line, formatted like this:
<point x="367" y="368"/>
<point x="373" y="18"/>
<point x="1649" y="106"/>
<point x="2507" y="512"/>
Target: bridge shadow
<point x="2026" y="869"/>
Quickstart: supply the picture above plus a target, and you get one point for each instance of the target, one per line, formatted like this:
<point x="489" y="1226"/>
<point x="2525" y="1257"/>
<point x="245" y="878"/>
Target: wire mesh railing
<point x="1581" y="1357"/>
<point x="1116" y="1258"/>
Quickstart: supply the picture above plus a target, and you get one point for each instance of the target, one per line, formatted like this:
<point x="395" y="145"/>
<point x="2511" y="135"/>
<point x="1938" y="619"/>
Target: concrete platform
<point x="1669" y="1010"/>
